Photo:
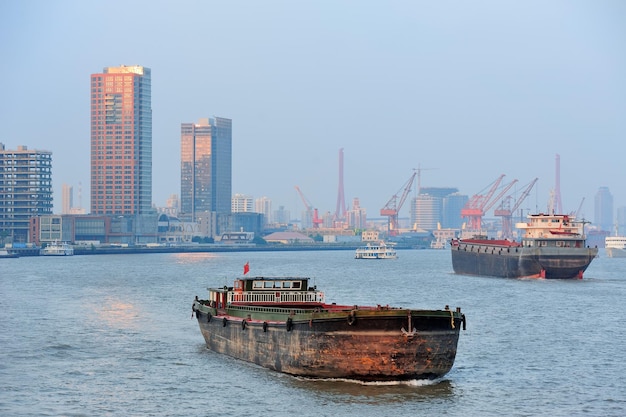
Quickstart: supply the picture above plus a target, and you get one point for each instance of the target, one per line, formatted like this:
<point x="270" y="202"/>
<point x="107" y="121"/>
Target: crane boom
<point x="475" y="207"/>
<point x="506" y="212"/>
<point x="393" y="206"/>
<point x="312" y="213"/>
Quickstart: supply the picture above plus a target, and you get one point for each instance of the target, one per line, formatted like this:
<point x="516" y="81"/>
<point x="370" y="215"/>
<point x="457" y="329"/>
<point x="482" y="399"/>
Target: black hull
<point x="521" y="262"/>
<point x="362" y="346"/>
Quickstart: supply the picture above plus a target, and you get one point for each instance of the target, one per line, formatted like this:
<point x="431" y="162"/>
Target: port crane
<point x="310" y="211"/>
<point x="479" y="204"/>
<point x="393" y="206"/>
<point x="505" y="210"/>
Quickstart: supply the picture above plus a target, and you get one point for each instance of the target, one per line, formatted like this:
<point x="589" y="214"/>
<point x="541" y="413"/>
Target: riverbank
<point x="110" y="250"/>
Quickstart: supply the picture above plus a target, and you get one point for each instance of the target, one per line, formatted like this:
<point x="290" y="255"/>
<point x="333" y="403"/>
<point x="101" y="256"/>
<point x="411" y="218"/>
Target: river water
<point x="112" y="335"/>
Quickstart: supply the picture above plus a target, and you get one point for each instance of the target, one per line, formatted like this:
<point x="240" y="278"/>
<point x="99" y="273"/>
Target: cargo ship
<point x="283" y="324"/>
<point x="553" y="247"/>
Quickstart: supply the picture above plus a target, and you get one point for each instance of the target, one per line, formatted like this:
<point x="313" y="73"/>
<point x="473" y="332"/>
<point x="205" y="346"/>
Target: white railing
<point x="276" y="297"/>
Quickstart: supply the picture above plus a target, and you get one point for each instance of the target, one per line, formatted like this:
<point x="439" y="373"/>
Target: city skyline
<point x="468" y="93"/>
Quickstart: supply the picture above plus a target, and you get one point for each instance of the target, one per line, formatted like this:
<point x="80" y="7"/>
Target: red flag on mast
<point x="246" y="268"/>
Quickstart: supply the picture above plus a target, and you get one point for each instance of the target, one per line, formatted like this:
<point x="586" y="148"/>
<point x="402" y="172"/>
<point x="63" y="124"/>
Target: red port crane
<point x="311" y="212"/>
<point x="505" y="210"/>
<point x="479" y="204"/>
<point x="393" y="206"/>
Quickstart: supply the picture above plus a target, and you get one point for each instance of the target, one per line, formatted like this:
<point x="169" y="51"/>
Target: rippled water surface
<point x="112" y="335"/>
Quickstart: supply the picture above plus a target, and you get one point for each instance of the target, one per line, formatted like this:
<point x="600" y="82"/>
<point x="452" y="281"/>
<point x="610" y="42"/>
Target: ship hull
<point x="369" y="345"/>
<point x="521" y="262"/>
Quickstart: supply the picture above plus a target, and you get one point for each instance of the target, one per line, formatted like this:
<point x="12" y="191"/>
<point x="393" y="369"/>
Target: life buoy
<point x="351" y="318"/>
<point x="224" y="322"/>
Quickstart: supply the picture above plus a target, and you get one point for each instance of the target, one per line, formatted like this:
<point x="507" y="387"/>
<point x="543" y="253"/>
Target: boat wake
<point x="409" y="383"/>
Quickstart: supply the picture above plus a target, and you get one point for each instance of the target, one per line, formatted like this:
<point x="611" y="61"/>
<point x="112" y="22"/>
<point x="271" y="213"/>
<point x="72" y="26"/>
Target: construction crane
<point x="506" y="211"/>
<point x="580" y="206"/>
<point x="479" y="204"/>
<point x="310" y="211"/>
<point x="393" y="206"/>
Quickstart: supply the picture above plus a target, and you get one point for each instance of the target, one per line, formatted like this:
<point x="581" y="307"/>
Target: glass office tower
<point x="206" y="167"/>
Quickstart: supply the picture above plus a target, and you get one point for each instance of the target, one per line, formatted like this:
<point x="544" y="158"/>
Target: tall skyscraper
<point x="206" y="167"/>
<point x="603" y="210"/>
<point x="121" y="141"/>
<point x="25" y="190"/>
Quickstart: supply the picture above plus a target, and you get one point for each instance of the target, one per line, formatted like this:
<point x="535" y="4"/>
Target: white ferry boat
<point x="376" y="251"/>
<point x="57" y="249"/>
<point x="615" y="246"/>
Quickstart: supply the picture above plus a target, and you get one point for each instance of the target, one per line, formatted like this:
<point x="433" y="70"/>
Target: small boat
<point x="6" y="254"/>
<point x="553" y="246"/>
<point x="373" y="251"/>
<point x="615" y="246"/>
<point x="57" y="249"/>
<point x="283" y="324"/>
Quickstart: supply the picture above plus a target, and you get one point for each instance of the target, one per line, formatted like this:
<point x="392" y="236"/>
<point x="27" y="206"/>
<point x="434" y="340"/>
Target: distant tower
<point x="340" y="212"/>
<point x="557" y="186"/>
<point x="603" y="210"/>
<point x="67" y="196"/>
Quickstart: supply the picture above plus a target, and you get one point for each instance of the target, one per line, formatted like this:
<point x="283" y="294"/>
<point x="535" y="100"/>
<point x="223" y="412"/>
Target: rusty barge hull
<point x="367" y="345"/>
<point x="508" y="261"/>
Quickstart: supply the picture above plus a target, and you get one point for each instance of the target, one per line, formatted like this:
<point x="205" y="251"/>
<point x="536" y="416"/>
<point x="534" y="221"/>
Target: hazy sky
<point x="467" y="90"/>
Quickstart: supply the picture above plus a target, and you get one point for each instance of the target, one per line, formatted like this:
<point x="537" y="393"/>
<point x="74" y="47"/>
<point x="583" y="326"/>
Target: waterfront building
<point x="282" y="216"/>
<point x="603" y="210"/>
<point x="242" y="203"/>
<point x="452" y="206"/>
<point x="135" y="229"/>
<point x="427" y="211"/>
<point x="264" y="205"/>
<point x="121" y="141"/>
<point x="357" y="215"/>
<point x="25" y="190"/>
<point x="206" y="167"/>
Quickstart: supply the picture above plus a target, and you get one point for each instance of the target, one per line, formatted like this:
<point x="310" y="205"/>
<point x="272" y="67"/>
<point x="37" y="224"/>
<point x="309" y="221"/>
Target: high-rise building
<point x="603" y="210"/>
<point x="357" y="215"/>
<point x="264" y="205"/>
<point x="121" y="141"/>
<point x="428" y="210"/>
<point x="67" y="196"/>
<point x="206" y="167"/>
<point x="25" y="190"/>
<point x="242" y="203"/>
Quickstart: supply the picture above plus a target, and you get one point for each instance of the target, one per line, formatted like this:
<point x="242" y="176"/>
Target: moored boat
<point x="6" y="254"/>
<point x="283" y="324"/>
<point x="376" y="251"/>
<point x="553" y="246"/>
<point x="615" y="246"/>
<point x="57" y="249"/>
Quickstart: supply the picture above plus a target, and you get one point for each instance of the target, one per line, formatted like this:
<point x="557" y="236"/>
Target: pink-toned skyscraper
<point x="121" y="141"/>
